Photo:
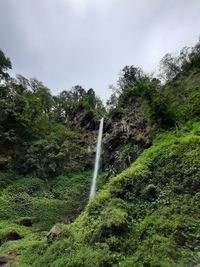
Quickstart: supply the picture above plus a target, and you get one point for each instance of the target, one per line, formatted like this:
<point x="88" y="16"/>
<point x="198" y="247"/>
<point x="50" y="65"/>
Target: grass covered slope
<point x="43" y="202"/>
<point x="30" y="206"/>
<point x="146" y="216"/>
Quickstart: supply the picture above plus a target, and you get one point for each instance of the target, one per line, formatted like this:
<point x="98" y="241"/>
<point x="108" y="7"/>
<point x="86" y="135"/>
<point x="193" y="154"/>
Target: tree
<point x="91" y="98"/>
<point x="46" y="99"/>
<point x="130" y="76"/>
<point x="78" y="92"/>
<point x="169" y="67"/>
<point x="112" y="101"/>
<point x="5" y="65"/>
<point x="193" y="57"/>
<point x="35" y="85"/>
<point x="23" y="82"/>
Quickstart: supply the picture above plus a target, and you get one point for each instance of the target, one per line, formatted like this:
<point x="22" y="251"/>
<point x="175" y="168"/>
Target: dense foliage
<point x="146" y="216"/>
<point x="34" y="123"/>
<point x="147" y="213"/>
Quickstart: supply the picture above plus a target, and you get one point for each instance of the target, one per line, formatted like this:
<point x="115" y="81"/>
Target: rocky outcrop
<point x="10" y="236"/>
<point x="3" y="161"/>
<point x="28" y="222"/>
<point x="123" y="132"/>
<point x="3" y="262"/>
<point x="54" y="232"/>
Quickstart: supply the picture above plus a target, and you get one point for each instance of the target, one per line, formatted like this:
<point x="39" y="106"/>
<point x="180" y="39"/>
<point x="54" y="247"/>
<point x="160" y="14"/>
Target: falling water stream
<point x="97" y="160"/>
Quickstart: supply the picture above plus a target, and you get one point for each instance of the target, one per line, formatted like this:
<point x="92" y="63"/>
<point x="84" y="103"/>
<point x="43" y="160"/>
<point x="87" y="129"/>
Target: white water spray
<point x="97" y="160"/>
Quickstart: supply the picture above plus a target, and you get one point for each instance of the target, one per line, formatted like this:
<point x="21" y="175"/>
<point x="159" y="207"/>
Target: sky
<point x="87" y="42"/>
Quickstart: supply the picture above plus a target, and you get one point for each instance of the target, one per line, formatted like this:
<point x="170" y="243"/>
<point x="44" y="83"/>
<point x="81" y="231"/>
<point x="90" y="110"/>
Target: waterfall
<point x="97" y="160"/>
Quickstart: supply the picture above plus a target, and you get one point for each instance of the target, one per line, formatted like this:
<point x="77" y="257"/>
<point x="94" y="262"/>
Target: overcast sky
<point x="87" y="42"/>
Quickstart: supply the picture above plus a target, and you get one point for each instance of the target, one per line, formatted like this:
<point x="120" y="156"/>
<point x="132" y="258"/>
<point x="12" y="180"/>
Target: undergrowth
<point x="146" y="216"/>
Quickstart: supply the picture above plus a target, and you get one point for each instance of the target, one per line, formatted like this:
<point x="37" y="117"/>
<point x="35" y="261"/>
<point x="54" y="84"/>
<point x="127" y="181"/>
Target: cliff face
<point x="126" y="135"/>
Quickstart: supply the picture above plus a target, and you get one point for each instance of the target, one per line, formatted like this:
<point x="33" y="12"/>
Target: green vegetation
<point x="145" y="216"/>
<point x="45" y="203"/>
<point x="146" y="210"/>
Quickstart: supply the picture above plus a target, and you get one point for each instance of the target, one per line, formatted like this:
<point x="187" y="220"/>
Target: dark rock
<point x="121" y="132"/>
<point x="71" y="217"/>
<point x="54" y="232"/>
<point x="11" y="236"/>
<point x="3" y="161"/>
<point x="26" y="222"/>
<point x="3" y="261"/>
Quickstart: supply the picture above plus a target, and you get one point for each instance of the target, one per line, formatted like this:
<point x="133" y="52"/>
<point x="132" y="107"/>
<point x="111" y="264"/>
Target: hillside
<point x="146" y="216"/>
<point x="146" y="210"/>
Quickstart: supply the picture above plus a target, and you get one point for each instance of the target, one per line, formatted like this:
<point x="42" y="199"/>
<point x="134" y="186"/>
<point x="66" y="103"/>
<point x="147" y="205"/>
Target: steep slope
<point x="146" y="216"/>
<point x="183" y="96"/>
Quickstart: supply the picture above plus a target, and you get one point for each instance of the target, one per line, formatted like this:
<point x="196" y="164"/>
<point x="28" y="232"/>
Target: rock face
<point x="83" y="120"/>
<point x="71" y="217"/>
<point x="3" y="262"/>
<point x="126" y="136"/>
<point x="12" y="235"/>
<point x="3" y="161"/>
<point x="54" y="232"/>
<point x="28" y="222"/>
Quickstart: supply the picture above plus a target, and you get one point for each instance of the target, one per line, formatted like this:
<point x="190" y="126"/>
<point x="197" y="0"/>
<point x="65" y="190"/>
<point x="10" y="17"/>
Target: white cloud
<point x="87" y="42"/>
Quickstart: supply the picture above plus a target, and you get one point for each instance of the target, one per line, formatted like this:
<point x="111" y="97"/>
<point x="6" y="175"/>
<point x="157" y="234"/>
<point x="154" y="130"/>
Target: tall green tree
<point x="5" y="65"/>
